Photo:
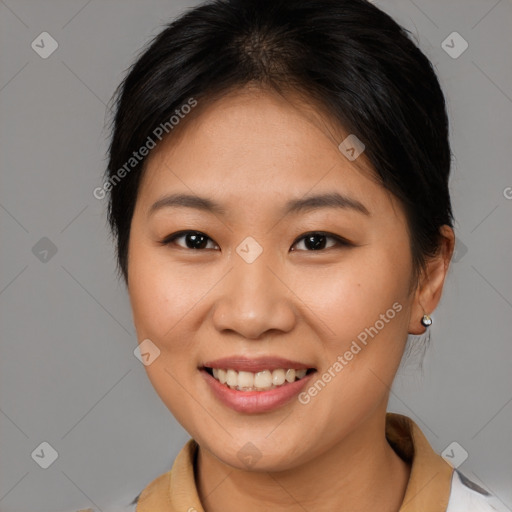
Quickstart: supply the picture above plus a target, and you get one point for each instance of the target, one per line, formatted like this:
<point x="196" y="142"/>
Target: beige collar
<point x="428" y="489"/>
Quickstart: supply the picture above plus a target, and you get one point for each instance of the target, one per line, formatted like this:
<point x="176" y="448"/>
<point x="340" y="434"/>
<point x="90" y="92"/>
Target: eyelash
<point x="339" y="241"/>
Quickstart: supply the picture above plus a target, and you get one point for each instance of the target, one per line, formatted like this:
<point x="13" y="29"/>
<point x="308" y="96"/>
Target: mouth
<point x="255" y="385"/>
<point x="263" y="380"/>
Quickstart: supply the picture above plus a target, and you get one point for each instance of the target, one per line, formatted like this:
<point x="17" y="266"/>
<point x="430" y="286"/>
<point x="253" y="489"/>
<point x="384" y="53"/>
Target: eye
<point x="191" y="240"/>
<point x="314" y="241"/>
<point x="317" y="241"/>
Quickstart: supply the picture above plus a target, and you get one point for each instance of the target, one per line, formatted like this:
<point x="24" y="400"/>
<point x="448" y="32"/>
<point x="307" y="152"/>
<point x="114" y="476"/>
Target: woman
<point x="278" y="178"/>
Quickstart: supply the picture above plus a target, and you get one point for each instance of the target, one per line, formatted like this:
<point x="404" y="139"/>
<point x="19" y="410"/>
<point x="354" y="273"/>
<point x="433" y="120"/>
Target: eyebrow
<point x="304" y="204"/>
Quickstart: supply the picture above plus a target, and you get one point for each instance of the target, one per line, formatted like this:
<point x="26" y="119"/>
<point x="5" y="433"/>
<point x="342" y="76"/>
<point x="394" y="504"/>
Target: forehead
<point x="252" y="147"/>
<point x="250" y="121"/>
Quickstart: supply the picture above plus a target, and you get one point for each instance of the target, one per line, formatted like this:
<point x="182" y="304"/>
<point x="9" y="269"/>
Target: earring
<point x="426" y="321"/>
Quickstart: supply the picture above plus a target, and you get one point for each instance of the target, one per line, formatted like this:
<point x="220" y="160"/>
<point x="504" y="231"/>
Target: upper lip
<point x="255" y="364"/>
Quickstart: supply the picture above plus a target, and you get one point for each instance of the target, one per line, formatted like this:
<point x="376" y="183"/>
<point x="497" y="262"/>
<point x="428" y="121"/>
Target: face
<point x="268" y="273"/>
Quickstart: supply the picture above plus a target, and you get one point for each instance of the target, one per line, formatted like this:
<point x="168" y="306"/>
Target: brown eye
<point x="194" y="240"/>
<point x="318" y="241"/>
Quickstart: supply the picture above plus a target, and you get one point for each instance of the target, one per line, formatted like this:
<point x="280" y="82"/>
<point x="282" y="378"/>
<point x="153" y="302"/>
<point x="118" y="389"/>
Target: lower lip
<point x="255" y="401"/>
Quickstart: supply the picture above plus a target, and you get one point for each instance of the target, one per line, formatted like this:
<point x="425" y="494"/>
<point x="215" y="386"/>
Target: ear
<point x="430" y="285"/>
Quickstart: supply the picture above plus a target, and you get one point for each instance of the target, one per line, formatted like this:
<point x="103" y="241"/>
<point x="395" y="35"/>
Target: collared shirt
<point x="434" y="486"/>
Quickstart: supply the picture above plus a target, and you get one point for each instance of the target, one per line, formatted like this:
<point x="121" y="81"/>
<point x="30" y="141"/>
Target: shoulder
<point x="466" y="496"/>
<point x="157" y="494"/>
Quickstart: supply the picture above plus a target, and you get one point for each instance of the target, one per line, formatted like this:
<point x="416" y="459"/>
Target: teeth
<point x="222" y="376"/>
<point x="290" y="375"/>
<point x="246" y="379"/>
<point x="259" y="381"/>
<point x="232" y="378"/>
<point x="262" y="380"/>
<point x="278" y="377"/>
<point x="300" y="373"/>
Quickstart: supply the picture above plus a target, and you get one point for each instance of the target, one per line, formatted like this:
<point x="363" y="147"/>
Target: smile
<point x="257" y="381"/>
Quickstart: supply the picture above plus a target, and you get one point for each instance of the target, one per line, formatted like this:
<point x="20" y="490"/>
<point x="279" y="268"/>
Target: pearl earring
<point x="426" y="321"/>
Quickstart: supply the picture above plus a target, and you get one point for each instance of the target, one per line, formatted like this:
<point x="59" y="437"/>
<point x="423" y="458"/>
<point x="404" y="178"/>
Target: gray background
<point x="68" y="375"/>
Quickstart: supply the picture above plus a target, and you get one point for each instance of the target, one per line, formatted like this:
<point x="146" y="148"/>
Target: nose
<point x="254" y="299"/>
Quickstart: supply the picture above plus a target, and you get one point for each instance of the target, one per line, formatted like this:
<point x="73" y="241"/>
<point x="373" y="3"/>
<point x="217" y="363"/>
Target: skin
<point x="252" y="151"/>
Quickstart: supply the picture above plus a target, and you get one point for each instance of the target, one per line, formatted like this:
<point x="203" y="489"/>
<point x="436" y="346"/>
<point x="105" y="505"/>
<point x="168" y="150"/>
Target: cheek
<point x="364" y="304"/>
<point x="161" y="294"/>
<point x="351" y="296"/>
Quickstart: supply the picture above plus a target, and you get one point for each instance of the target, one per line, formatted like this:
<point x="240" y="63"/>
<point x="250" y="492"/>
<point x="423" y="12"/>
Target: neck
<point x="362" y="472"/>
